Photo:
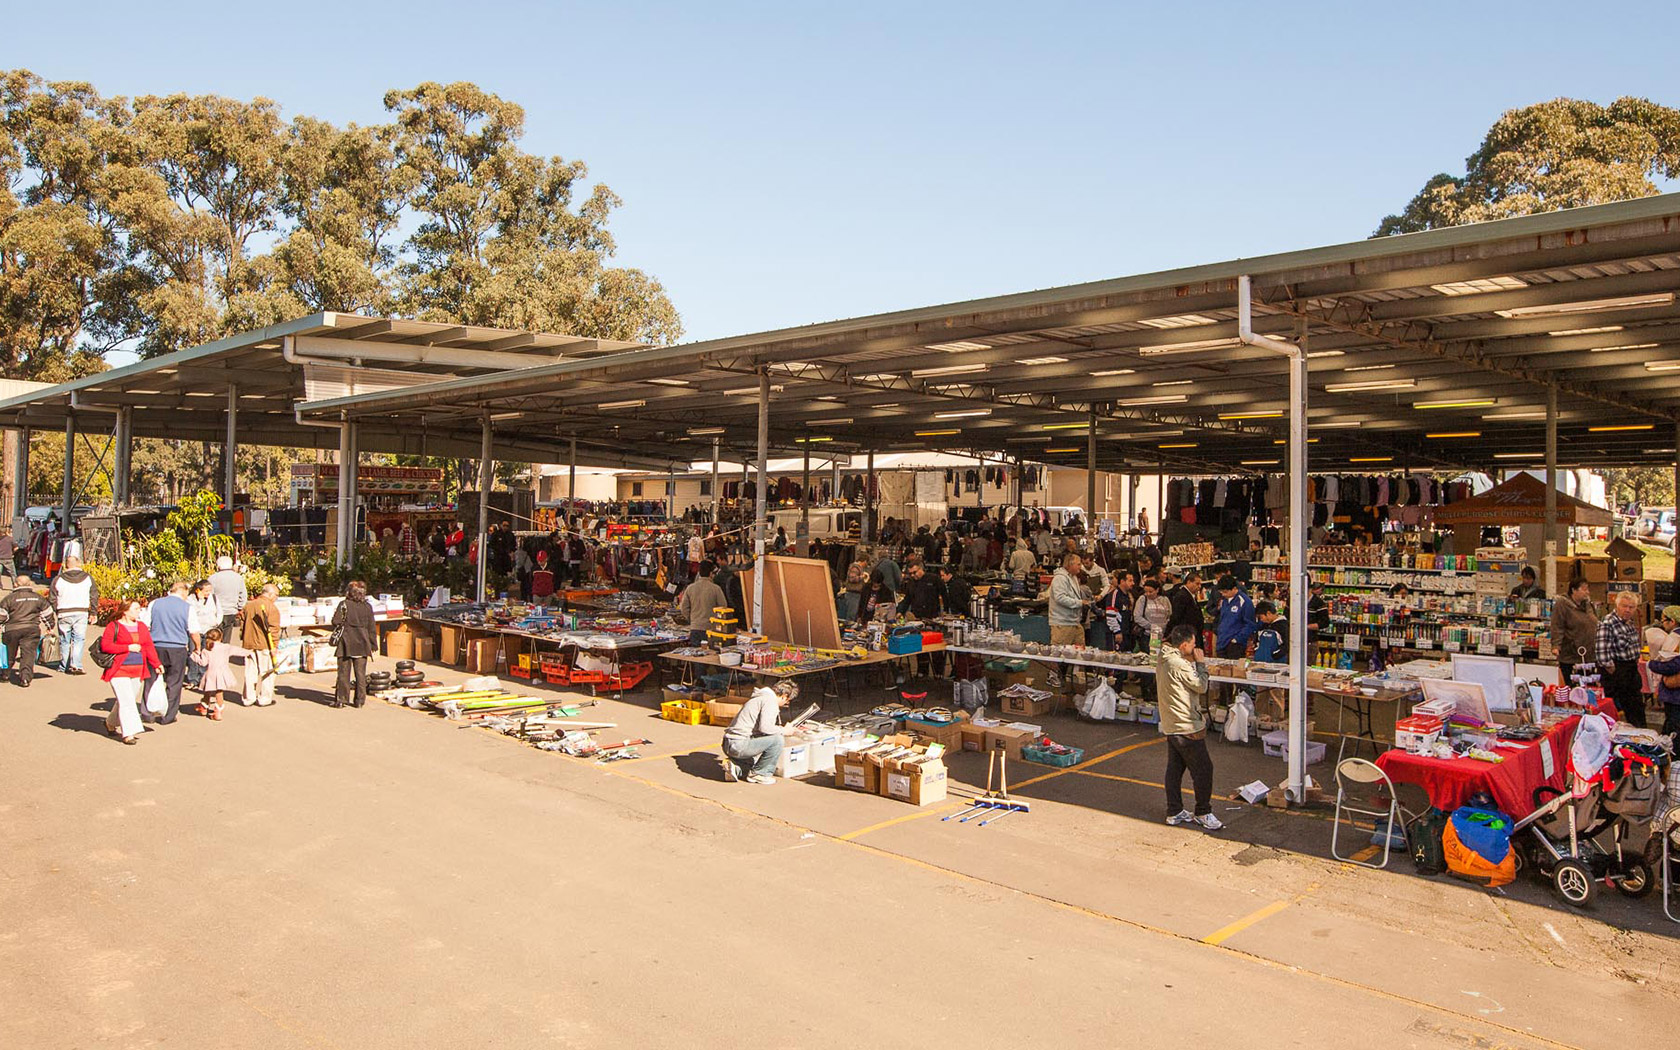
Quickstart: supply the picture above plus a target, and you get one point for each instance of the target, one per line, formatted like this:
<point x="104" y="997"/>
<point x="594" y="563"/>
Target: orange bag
<point x="1466" y="863"/>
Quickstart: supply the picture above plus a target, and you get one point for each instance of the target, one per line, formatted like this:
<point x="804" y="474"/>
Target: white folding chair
<point x="1367" y="776"/>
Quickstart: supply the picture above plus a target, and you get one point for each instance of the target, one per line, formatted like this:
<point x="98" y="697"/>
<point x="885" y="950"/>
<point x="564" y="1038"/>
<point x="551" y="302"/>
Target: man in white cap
<point x="228" y="587"/>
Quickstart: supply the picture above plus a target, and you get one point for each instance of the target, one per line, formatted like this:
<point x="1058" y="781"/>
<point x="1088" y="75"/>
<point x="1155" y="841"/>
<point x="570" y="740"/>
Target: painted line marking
<point x="1089" y="762"/>
<point x="1225" y="933"/>
<point x="917" y="815"/>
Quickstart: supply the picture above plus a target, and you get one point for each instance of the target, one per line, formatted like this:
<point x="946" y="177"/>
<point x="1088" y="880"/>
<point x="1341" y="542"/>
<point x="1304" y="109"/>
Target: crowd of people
<point x="189" y="638"/>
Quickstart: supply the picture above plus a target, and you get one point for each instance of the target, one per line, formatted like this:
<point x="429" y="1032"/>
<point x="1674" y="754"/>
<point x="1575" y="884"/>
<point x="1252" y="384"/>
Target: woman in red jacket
<point x="133" y="662"/>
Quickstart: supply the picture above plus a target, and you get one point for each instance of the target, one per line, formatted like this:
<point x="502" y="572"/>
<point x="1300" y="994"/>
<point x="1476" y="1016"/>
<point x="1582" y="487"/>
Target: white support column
<point x="715" y="483"/>
<point x="346" y="493"/>
<point x="869" y="500"/>
<point x="69" y="471"/>
<point x="1298" y="573"/>
<point x="1091" y="476"/>
<point x="486" y="474"/>
<point x="805" y="506"/>
<point x="762" y="495"/>
<point x="354" y="430"/>
<point x="1548" y="536"/>
<point x="230" y="448"/>
<point x="123" y="457"/>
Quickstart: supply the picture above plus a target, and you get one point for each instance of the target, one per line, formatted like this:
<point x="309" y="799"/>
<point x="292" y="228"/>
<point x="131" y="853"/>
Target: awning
<point x="1520" y="501"/>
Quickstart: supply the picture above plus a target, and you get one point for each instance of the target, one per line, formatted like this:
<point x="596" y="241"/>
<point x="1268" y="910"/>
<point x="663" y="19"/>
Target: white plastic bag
<point x="1239" y="718"/>
<point x="157" y="697"/>
<point x="1100" y="701"/>
<point x="1591" y="748"/>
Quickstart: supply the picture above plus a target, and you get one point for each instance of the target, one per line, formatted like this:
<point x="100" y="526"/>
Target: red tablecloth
<point x="1451" y="781"/>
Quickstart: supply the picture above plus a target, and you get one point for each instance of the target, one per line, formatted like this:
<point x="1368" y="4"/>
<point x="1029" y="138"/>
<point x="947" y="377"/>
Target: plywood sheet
<point x="798" y="602"/>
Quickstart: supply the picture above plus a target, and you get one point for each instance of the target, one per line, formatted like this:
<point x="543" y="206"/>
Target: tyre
<point x="1573" y="882"/>
<point x="1637" y="880"/>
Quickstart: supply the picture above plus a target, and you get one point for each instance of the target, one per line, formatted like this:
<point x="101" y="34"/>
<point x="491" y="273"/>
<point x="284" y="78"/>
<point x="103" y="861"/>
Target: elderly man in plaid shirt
<point x="1618" y="659"/>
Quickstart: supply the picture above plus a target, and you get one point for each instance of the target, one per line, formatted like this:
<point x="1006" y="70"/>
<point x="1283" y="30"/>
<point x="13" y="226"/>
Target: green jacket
<point x="1181" y="685"/>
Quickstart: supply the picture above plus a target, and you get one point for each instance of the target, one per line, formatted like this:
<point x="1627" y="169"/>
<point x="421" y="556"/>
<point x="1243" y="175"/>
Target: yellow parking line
<point x="850" y="835"/>
<point x="1225" y="933"/>
<point x="1089" y="762"/>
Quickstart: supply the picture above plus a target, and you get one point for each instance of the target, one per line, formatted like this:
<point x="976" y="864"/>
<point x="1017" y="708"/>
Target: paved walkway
<point x="309" y="877"/>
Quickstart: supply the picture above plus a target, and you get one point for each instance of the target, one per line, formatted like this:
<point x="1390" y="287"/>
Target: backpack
<point x="1425" y="833"/>
<point x="1477" y="846"/>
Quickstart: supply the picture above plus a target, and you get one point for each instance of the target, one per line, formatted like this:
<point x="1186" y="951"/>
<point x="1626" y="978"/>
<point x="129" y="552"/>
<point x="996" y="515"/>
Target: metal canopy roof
<point x="1476" y="320"/>
<point x="185" y="394"/>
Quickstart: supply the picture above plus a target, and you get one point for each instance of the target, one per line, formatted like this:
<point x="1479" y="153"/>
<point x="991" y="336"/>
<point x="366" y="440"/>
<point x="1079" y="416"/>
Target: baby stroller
<point x="1580" y="837"/>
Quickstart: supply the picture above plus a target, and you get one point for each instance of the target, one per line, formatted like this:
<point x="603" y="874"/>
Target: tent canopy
<point x="1520" y="501"/>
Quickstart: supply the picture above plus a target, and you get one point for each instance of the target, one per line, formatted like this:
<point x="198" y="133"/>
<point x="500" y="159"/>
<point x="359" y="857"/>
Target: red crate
<point x="629" y="677"/>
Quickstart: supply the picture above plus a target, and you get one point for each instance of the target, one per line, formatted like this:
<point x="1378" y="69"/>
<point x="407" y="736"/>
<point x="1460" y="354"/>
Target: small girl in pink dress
<point x="218" y="676"/>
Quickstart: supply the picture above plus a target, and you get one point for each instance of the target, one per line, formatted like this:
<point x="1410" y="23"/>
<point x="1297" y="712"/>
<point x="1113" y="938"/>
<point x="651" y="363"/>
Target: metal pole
<point x="671" y="492"/>
<point x="1548" y="536"/>
<point x="571" y="483"/>
<point x="869" y="500"/>
<point x="1677" y="491"/>
<point x="20" y="475"/>
<point x="1297" y="564"/>
<point x="715" y="482"/>
<point x="69" y="469"/>
<point x="805" y="504"/>
<point x="485" y="468"/>
<point x="230" y="448"/>
<point x="346" y="493"/>
<point x="1161" y="501"/>
<point x="761" y="495"/>
<point x="124" y="456"/>
<point x="1091" y="475"/>
<point x="1131" y="501"/>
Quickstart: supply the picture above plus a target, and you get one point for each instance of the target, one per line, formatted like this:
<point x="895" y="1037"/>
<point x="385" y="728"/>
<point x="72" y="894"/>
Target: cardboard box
<point x="319" y="656"/>
<point x="1007" y="740"/>
<point x="451" y="644"/>
<point x="973" y="737"/>
<point x="722" y="712"/>
<point x="481" y="655"/>
<point x="948" y="734"/>
<point x="920" y="782"/>
<point x="1020" y="705"/>
<point x="425" y="649"/>
<point x="512" y="647"/>
<point x="399" y="643"/>
<point x="854" y="773"/>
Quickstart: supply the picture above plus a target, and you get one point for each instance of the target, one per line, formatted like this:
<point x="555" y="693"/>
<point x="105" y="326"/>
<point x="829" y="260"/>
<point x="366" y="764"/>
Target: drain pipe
<point x="1297" y="557"/>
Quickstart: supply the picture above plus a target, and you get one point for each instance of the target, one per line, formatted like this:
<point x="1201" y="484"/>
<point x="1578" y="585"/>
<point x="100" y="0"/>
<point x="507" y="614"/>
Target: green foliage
<point x="1646" y="486"/>
<point x="1564" y="153"/>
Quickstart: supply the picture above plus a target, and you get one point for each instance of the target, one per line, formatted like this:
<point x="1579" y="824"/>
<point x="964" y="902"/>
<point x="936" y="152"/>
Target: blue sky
<point x="783" y="164"/>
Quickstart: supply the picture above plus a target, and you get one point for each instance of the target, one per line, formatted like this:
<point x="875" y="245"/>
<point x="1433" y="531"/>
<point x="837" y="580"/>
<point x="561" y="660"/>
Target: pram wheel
<point x="1636" y="880"/>
<point x="1574" y="882"/>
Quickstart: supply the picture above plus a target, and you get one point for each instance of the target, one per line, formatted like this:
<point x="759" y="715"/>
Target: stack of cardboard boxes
<point x="897" y="767"/>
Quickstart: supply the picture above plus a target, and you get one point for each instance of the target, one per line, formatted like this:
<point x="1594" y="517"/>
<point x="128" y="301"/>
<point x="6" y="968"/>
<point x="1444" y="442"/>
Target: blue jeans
<point x="72" y="637"/>
<point x="760" y="753"/>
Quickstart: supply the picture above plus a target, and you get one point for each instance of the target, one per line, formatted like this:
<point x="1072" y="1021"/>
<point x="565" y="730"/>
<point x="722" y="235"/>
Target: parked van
<point x="824" y="521"/>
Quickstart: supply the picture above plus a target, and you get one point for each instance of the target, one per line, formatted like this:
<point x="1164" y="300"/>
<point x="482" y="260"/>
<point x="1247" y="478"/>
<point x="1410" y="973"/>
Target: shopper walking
<point x="1617" y="655"/>
<point x="26" y="613"/>
<point x="1068" y="601"/>
<point x="259" y="627"/>
<point x="218" y="681"/>
<point x="1574" y="629"/>
<point x="170" y="620"/>
<point x="133" y="663"/>
<point x="229" y="588"/>
<point x="1183" y="685"/>
<point x="1235" y="622"/>
<point x="8" y="554"/>
<point x="1186" y="601"/>
<point x="357" y="639"/>
<point x="1119" y="612"/>
<point x="753" y="742"/>
<point x="75" y="597"/>
<point x="206" y="615"/>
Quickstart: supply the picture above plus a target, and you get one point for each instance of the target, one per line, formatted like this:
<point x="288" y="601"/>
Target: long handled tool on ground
<point x="984" y="801"/>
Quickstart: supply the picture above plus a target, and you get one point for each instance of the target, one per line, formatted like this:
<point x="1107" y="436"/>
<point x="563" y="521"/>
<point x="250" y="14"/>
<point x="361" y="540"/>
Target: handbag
<point x="52" y="650"/>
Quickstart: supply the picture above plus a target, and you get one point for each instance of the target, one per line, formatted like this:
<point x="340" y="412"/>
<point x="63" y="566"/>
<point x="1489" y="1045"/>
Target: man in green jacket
<point x="1181" y="683"/>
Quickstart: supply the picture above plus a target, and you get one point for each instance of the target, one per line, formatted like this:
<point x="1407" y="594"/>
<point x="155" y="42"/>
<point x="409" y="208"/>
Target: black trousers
<point x="23" y="646"/>
<point x="1671" y="719"/>
<point x="174" y="661"/>
<point x="341" y="690"/>
<point x="1184" y="753"/>
<point x="1622" y="686"/>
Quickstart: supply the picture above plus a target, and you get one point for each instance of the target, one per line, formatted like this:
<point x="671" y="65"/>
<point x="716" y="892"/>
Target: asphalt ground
<point x="304" y="876"/>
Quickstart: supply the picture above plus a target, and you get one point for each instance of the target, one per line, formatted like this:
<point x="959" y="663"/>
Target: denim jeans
<point x="758" y="755"/>
<point x="72" y="637"/>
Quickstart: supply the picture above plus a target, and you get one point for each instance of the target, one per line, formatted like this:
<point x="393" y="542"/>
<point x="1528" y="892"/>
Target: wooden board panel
<point x="798" y="602"/>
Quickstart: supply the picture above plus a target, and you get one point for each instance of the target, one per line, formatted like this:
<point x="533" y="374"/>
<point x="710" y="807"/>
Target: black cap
<point x="1227" y="583"/>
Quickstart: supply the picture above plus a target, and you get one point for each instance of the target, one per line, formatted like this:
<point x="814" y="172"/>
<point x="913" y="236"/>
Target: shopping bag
<point x="1099" y="702"/>
<point x="51" y="648"/>
<point x="157" y="697"/>
<point x="1476" y="844"/>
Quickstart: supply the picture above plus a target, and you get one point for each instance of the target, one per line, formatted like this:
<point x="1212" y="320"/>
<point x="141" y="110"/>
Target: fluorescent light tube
<point x="1159" y="399"/>
<point x="1370" y="385"/>
<point x="1624" y="302"/>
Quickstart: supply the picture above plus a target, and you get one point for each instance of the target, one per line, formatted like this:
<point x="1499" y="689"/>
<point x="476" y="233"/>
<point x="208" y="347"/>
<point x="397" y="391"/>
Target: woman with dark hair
<point x="353" y="626"/>
<point x="876" y="595"/>
<point x="133" y="663"/>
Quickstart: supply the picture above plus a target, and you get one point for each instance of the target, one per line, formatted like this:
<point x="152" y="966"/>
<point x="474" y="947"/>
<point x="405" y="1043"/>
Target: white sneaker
<point x="760" y="778"/>
<point x="1181" y="818"/>
<point x="730" y="772"/>
<point x="1209" y="822"/>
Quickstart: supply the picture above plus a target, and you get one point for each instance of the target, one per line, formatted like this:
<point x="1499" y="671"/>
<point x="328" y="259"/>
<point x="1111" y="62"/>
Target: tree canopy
<point x="160" y="222"/>
<point x="1565" y="153"/>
